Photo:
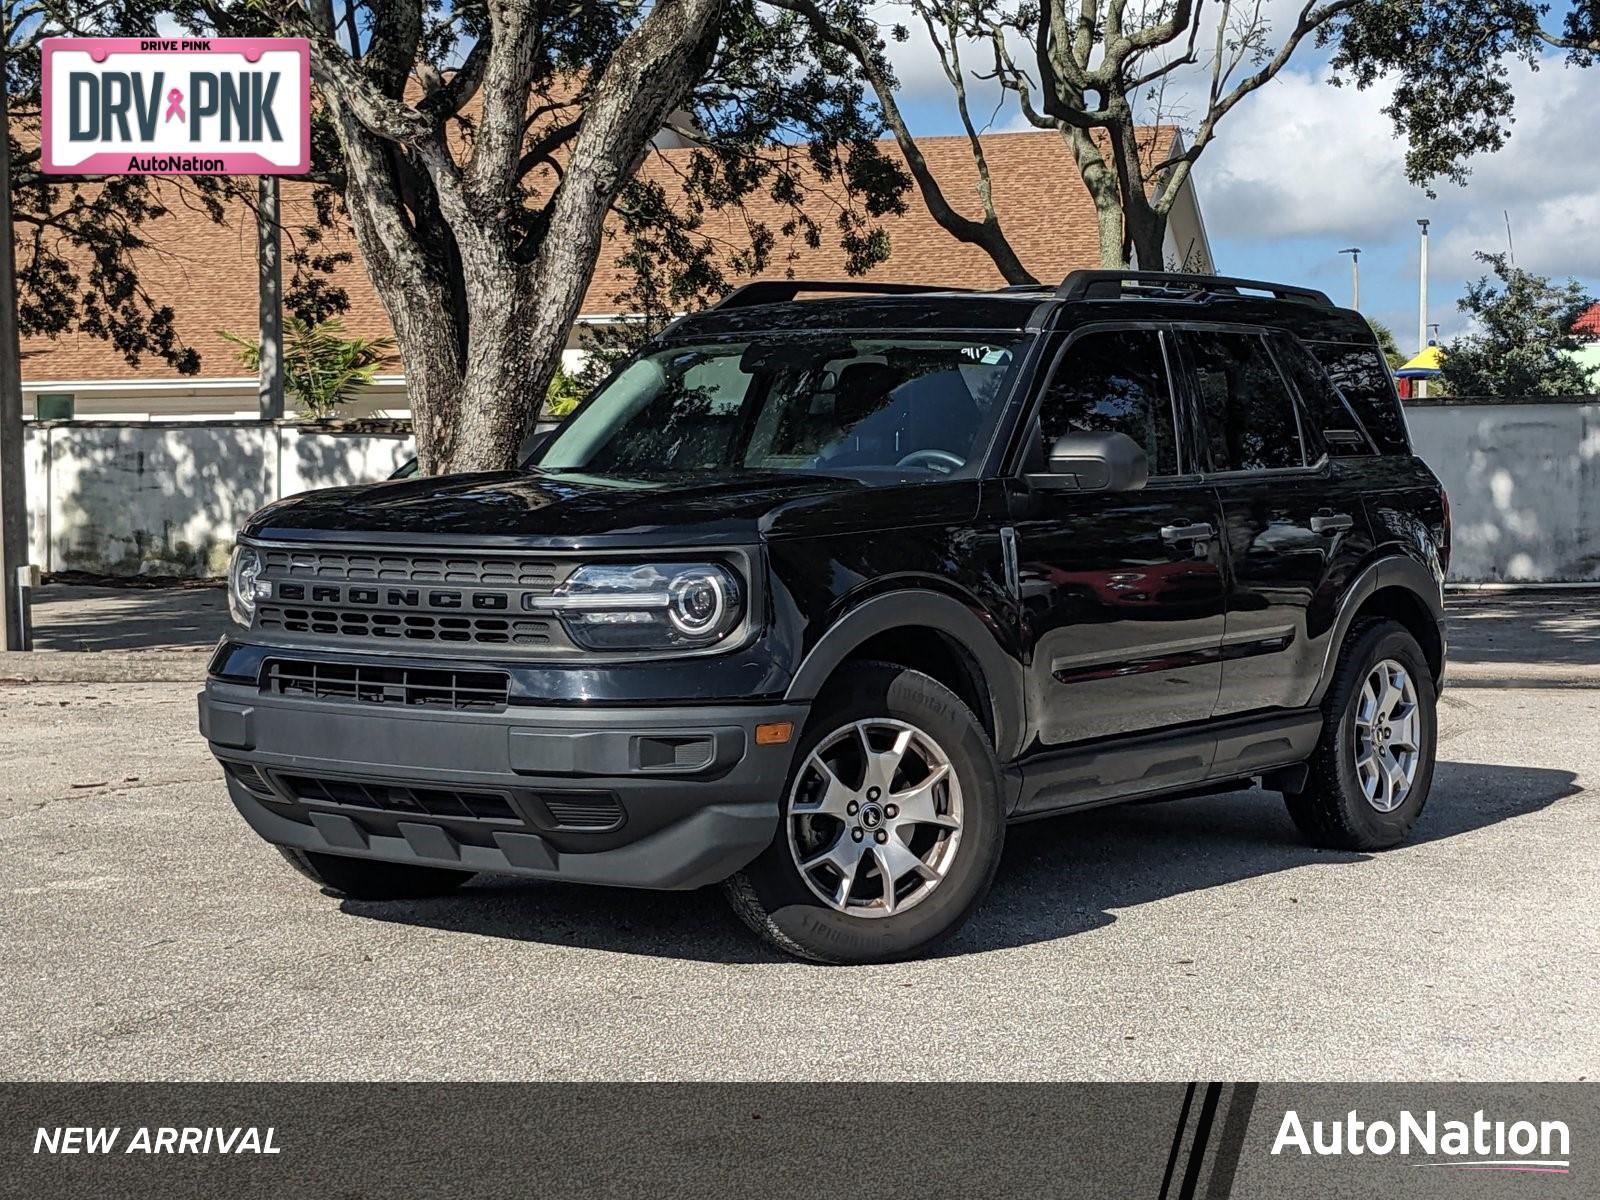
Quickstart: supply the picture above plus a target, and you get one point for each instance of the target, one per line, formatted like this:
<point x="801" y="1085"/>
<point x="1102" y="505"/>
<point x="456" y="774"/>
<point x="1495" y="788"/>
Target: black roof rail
<point x="781" y="291"/>
<point x="1108" y="284"/>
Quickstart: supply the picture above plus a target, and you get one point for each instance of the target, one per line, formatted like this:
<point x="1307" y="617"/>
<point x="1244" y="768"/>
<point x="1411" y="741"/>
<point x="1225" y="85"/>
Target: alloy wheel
<point x="874" y="818"/>
<point x="1388" y="742"/>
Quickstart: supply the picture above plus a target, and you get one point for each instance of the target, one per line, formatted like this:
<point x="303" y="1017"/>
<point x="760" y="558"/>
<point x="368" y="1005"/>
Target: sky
<point x="1301" y="169"/>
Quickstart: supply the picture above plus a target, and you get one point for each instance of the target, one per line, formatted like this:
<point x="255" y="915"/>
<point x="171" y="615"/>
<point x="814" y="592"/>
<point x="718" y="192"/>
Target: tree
<point x="1523" y="338"/>
<point x="80" y="242"/>
<point x="323" y="369"/>
<point x="481" y="148"/>
<point x="1386" y="343"/>
<point x="1104" y="74"/>
<point x="1449" y="59"/>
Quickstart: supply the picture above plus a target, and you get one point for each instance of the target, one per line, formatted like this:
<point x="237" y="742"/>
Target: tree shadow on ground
<point x="1059" y="877"/>
<point x="1533" y="627"/>
<point x="76" y="617"/>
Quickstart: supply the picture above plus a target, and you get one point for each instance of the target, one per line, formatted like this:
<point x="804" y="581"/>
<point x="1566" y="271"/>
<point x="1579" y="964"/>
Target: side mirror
<point x="1095" y="462"/>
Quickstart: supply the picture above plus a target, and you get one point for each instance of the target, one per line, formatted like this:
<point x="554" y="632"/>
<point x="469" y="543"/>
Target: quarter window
<point x="1251" y="424"/>
<point x="1114" y="382"/>
<point x="1361" y="374"/>
<point x="1330" y="419"/>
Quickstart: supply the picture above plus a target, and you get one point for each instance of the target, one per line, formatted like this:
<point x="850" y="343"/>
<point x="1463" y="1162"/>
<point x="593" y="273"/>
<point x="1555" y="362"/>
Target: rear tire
<point x="1369" y="776"/>
<point x="893" y="777"/>
<point x="373" y="879"/>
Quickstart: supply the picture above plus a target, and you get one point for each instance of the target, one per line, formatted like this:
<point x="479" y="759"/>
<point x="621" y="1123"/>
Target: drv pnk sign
<point x="176" y="106"/>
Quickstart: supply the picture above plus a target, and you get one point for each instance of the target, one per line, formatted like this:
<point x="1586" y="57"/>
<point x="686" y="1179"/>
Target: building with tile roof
<point x="207" y="272"/>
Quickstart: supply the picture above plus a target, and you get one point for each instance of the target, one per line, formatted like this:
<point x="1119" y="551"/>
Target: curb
<point x="19" y="668"/>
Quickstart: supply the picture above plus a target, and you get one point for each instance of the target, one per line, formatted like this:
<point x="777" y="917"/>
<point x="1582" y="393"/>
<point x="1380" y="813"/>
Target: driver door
<point x="1123" y="593"/>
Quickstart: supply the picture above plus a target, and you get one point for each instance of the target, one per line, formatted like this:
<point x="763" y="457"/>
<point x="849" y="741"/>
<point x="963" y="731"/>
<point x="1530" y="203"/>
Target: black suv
<point x="815" y="596"/>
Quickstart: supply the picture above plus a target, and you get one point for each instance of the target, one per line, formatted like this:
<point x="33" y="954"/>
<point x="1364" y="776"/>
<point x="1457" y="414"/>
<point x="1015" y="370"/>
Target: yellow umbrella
<point x="1426" y="363"/>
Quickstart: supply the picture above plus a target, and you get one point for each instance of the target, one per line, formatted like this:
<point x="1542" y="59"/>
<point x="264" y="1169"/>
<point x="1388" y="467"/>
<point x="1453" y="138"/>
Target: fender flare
<point x="1394" y="570"/>
<point x="998" y="673"/>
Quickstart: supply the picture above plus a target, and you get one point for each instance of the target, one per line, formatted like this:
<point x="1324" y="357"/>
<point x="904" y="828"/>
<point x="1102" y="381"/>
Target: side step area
<point x="1128" y="768"/>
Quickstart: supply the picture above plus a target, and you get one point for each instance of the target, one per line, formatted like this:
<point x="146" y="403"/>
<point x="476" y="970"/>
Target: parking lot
<point x="149" y="935"/>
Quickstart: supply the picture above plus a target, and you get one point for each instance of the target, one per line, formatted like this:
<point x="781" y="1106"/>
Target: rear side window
<point x="1115" y="382"/>
<point x="1250" y="418"/>
<point x="1362" y="375"/>
<point x="1322" y="404"/>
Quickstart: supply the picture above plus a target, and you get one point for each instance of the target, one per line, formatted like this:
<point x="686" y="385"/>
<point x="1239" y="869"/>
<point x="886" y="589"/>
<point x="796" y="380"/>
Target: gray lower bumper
<point x="694" y="798"/>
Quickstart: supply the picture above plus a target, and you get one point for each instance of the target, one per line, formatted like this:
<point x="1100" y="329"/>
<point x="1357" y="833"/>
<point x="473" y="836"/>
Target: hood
<point x="518" y="505"/>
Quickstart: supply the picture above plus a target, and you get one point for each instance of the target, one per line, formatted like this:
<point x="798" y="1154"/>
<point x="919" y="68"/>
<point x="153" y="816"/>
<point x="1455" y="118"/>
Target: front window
<point x="868" y="407"/>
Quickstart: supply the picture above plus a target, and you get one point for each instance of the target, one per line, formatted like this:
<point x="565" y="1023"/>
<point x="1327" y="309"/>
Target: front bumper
<point x="636" y="797"/>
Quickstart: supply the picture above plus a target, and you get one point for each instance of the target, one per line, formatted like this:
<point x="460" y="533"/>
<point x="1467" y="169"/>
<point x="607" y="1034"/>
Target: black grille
<point x="583" y="810"/>
<point x="462" y="691"/>
<point x="375" y="566"/>
<point x="403" y="626"/>
<point x="401" y="798"/>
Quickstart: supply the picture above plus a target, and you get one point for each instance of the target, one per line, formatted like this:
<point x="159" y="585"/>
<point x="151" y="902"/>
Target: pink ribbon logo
<point x="175" y="105"/>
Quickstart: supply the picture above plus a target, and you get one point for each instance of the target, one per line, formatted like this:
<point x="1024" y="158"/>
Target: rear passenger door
<point x="1294" y="528"/>
<point x="1122" y="592"/>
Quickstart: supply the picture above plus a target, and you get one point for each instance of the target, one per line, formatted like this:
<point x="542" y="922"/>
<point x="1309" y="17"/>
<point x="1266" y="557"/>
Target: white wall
<point x="166" y="498"/>
<point x="1524" y="484"/>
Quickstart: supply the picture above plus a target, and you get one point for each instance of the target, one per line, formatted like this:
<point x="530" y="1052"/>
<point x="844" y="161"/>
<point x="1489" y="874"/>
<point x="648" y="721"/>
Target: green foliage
<point x="323" y="369"/>
<point x="785" y="140"/>
<point x="1386" y="343"/>
<point x="563" y="395"/>
<point x="1523" y="340"/>
<point x="1450" y="61"/>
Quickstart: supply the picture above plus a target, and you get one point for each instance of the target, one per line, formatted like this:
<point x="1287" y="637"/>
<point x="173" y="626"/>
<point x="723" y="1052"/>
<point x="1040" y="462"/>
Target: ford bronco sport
<point x="814" y="597"/>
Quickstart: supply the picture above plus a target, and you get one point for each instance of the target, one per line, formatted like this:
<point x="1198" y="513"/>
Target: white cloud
<point x="1303" y="159"/>
<point x="1302" y="168"/>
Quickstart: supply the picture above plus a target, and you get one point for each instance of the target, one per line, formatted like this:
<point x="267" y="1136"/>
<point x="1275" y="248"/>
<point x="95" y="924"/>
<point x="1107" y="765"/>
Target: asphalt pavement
<point x="149" y="935"/>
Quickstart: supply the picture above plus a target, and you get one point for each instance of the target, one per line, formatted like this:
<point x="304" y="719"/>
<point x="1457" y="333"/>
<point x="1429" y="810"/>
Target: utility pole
<point x="269" y="270"/>
<point x="13" y="498"/>
<point x="1355" y="275"/>
<point x="1422" y="302"/>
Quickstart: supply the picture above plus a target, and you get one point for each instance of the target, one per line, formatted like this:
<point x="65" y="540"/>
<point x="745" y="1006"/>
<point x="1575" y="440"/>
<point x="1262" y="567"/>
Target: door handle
<point x="1199" y="532"/>
<point x="1332" y="522"/>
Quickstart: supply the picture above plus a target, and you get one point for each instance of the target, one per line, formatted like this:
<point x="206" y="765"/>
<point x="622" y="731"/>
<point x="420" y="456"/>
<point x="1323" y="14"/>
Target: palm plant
<point x="323" y="369"/>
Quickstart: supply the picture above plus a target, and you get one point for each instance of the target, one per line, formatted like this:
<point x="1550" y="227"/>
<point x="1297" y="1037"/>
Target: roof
<point x="207" y="271"/>
<point x="1588" y="321"/>
<point x="1092" y="296"/>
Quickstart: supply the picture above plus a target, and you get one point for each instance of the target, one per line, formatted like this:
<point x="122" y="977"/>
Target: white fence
<point x="166" y="497"/>
<point x="1524" y="484"/>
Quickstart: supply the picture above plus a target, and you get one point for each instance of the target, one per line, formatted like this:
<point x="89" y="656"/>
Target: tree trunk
<point x="520" y="322"/>
<point x="1102" y="184"/>
<point x="474" y="384"/>
<point x="1147" y="236"/>
<point x="417" y="302"/>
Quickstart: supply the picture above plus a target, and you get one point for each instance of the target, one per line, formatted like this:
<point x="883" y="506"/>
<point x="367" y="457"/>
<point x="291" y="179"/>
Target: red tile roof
<point x="207" y="271"/>
<point x="1589" y="321"/>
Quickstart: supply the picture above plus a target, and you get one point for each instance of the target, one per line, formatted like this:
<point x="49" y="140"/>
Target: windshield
<point x="850" y="405"/>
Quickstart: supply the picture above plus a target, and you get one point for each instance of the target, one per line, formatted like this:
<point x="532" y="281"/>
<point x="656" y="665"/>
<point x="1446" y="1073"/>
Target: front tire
<point x="890" y="828"/>
<point x="373" y="879"/>
<point x="1369" y="776"/>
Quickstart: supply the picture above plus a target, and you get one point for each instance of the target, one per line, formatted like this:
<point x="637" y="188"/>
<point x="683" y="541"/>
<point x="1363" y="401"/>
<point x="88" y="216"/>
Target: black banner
<point x="1161" y="1141"/>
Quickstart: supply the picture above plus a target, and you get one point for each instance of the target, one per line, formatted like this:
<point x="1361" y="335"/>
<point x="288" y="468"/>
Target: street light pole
<point x="1355" y="275"/>
<point x="1422" y="302"/>
<point x="13" y="500"/>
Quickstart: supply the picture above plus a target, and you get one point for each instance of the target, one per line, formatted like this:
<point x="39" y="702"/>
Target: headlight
<point x="245" y="585"/>
<point x="648" y="606"/>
